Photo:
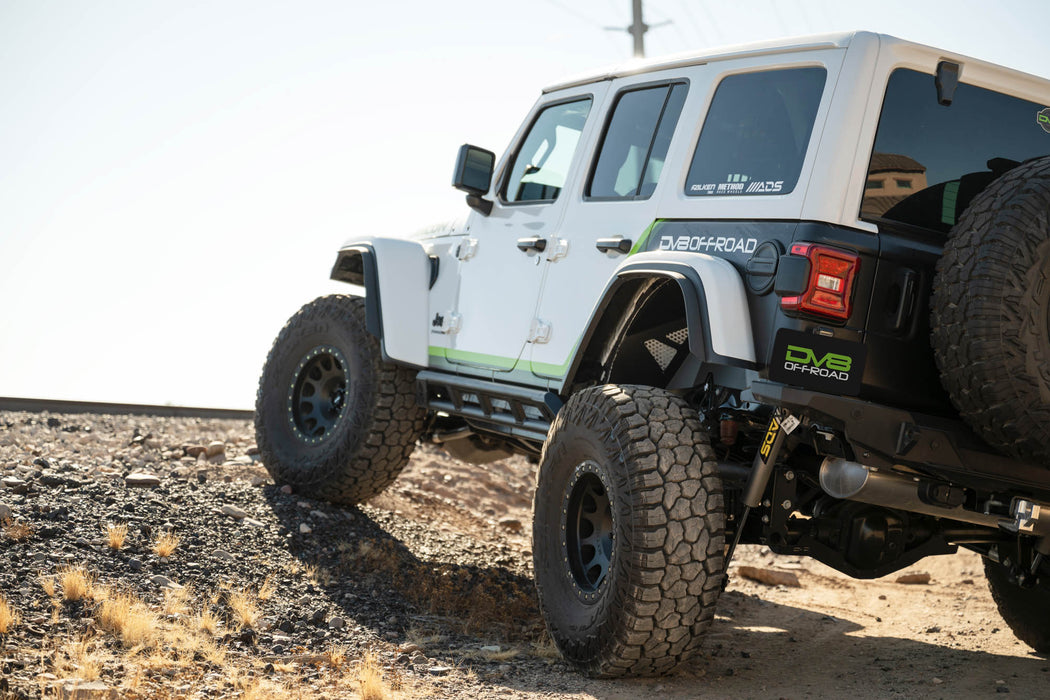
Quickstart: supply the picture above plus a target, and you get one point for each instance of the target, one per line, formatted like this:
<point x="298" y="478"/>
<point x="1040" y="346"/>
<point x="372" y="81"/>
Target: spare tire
<point x="991" y="313"/>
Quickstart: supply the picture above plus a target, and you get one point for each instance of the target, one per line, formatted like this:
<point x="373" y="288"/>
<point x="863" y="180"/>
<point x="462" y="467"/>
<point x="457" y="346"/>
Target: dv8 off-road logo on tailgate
<point x="817" y="362"/>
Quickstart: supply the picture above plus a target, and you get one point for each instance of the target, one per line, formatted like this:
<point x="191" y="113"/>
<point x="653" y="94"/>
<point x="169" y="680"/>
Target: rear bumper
<point x="882" y="436"/>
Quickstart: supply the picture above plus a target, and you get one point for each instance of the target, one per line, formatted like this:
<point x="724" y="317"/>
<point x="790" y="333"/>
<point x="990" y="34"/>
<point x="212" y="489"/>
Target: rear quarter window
<point x="756" y="133"/>
<point x="930" y="160"/>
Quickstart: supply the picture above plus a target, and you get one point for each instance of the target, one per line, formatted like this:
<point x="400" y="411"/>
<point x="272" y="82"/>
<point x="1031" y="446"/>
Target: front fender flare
<point x="396" y="275"/>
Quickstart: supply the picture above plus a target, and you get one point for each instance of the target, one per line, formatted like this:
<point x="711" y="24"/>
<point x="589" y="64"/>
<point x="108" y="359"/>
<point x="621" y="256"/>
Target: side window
<point x="756" y="133"/>
<point x="542" y="162"/>
<point x="635" y="143"/>
<point x="930" y="160"/>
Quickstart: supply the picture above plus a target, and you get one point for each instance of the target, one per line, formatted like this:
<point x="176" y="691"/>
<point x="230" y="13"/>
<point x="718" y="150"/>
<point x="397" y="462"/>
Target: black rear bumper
<point x="882" y="436"/>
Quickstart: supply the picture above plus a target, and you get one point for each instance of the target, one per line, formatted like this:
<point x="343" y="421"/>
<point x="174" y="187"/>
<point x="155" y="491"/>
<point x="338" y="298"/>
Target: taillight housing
<point x="829" y="289"/>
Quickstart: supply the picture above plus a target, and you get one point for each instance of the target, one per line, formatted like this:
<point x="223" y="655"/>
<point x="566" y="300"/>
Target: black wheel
<point x="1025" y="610"/>
<point x="991" y="313"/>
<point x="331" y="418"/>
<point x="628" y="531"/>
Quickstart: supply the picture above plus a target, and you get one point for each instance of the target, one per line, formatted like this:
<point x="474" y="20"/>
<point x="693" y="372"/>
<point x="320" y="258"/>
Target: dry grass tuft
<point x="127" y="618"/>
<point x="83" y="660"/>
<point x="503" y="655"/>
<point x="337" y="656"/>
<point x="77" y="583"/>
<point x="116" y="534"/>
<point x="370" y="684"/>
<point x="206" y="621"/>
<point x="318" y="574"/>
<point x="545" y="647"/>
<point x="16" y="531"/>
<point x="9" y="617"/>
<point x="244" y="608"/>
<point x="268" y="588"/>
<point x="48" y="584"/>
<point x="165" y="544"/>
<point x="175" y="600"/>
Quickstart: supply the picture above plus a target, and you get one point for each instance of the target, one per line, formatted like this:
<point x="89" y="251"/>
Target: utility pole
<point x="638" y="28"/>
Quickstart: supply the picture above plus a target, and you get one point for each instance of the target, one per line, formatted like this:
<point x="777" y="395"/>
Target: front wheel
<point x="628" y="531"/>
<point x="331" y="417"/>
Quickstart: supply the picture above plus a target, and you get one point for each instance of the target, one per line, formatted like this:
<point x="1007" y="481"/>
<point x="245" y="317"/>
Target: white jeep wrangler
<point x="794" y="293"/>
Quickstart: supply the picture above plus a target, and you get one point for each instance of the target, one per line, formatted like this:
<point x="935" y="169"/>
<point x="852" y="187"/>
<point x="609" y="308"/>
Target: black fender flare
<point x="357" y="265"/>
<point x="696" y="310"/>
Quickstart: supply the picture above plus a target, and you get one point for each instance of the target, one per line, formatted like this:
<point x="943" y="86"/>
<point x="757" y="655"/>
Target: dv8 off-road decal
<point x="1042" y="118"/>
<point x="735" y="241"/>
<point x="816" y="362"/>
<point x="709" y="244"/>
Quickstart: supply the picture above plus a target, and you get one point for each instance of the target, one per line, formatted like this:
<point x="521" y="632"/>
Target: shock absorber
<point x="781" y="423"/>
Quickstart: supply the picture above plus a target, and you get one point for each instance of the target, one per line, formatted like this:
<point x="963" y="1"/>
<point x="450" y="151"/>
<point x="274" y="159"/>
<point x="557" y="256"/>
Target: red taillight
<point x="830" y="284"/>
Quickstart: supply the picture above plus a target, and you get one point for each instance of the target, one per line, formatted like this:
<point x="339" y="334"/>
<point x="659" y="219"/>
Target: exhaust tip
<point x="842" y="478"/>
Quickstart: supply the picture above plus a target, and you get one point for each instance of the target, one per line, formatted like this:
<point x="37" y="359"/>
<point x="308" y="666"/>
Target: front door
<point x="503" y="257"/>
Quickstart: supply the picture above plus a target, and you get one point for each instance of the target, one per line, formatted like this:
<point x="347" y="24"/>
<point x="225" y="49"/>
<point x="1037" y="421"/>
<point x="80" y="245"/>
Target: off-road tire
<point x="652" y="458"/>
<point x="991" y="313"/>
<point x="1025" y="610"/>
<point x="369" y="441"/>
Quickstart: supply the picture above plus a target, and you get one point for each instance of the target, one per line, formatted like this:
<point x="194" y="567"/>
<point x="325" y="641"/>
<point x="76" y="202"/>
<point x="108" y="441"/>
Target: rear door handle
<point x="620" y="245"/>
<point x="534" y="243"/>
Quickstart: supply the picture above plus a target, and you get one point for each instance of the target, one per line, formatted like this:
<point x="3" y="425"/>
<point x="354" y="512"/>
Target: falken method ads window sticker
<point x="738" y="184"/>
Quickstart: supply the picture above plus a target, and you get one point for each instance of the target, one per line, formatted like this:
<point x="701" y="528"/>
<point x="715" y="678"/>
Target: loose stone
<point x="142" y="480"/>
<point x="234" y="512"/>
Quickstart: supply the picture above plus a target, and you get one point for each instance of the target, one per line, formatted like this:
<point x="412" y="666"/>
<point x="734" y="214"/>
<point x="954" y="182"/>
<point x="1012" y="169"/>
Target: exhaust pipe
<point x="851" y="481"/>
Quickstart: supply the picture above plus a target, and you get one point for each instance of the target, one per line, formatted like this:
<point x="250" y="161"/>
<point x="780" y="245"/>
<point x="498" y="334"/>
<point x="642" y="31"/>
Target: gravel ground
<point x="267" y="593"/>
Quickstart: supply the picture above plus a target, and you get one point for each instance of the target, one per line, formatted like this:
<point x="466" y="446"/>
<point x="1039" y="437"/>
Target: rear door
<point x="612" y="207"/>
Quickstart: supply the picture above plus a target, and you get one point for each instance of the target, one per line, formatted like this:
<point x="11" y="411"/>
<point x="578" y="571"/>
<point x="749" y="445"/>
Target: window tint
<point x="542" y="163"/>
<point x="756" y="133"/>
<point x="635" y="143"/>
<point x="933" y="159"/>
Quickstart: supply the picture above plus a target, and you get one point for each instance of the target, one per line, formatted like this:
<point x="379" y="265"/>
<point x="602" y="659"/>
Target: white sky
<point x="176" y="177"/>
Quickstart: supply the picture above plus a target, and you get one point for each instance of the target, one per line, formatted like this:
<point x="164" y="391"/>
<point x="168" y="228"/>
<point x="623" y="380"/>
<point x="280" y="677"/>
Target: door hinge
<point x="467" y="248"/>
<point x="447" y="323"/>
<point x="540" y="331"/>
<point x="558" y="250"/>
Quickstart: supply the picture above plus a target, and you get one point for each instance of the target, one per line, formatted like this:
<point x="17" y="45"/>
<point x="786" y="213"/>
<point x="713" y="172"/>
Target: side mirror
<point x="473" y="175"/>
<point x="473" y="169"/>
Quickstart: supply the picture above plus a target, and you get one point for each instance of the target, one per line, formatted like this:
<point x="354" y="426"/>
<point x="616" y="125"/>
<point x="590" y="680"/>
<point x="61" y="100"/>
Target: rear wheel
<point x="1025" y="610"/>
<point x="331" y="418"/>
<point x="628" y="532"/>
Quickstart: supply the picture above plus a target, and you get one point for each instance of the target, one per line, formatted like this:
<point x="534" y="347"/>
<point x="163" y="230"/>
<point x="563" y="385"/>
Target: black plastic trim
<point x="692" y="288"/>
<point x="367" y="275"/>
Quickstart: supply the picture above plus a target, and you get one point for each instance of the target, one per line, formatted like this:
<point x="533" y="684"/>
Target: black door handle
<point x="621" y="245"/>
<point x="534" y="243"/>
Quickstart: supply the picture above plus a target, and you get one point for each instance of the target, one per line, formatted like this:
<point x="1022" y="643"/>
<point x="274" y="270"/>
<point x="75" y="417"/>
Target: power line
<point x="575" y="13"/>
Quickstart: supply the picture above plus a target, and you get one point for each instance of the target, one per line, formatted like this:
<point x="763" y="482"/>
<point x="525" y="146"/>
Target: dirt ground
<point x="831" y="637"/>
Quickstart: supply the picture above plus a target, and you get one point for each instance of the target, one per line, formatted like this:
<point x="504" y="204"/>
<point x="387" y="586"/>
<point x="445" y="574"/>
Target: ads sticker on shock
<point x="817" y="363"/>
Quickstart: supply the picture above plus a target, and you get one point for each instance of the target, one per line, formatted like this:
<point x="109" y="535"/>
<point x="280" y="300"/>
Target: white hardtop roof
<point x="778" y="46"/>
